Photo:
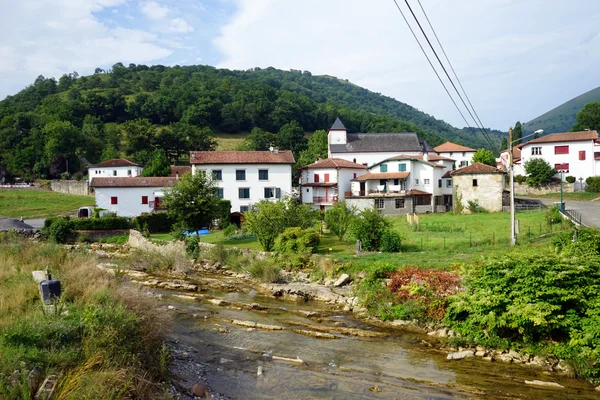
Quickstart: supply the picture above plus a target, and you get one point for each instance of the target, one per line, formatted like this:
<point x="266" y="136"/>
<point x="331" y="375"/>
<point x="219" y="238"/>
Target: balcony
<point x="325" y="199"/>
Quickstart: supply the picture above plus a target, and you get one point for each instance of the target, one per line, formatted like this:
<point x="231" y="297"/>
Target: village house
<point x="481" y="184"/>
<point x="130" y="197"/>
<point x="503" y="161"/>
<point x="404" y="184"/>
<point x="117" y="168"/>
<point x="327" y="181"/>
<point x="246" y="177"/>
<point x="461" y="154"/>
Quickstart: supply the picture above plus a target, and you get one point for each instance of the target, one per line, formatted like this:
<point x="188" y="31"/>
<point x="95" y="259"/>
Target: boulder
<point x="459" y="355"/>
<point x="199" y="391"/>
<point x="342" y="280"/>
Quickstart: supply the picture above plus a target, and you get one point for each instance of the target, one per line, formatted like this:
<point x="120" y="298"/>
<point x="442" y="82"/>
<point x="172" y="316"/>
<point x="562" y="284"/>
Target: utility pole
<point x="512" y="186"/>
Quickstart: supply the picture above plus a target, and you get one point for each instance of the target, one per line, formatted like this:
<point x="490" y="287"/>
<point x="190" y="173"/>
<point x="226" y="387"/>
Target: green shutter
<point x="383" y="168"/>
<point x="402" y="167"/>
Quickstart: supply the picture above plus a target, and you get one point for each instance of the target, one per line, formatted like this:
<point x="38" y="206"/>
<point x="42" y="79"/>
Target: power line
<point x="448" y="75"/>
<point x="431" y="64"/>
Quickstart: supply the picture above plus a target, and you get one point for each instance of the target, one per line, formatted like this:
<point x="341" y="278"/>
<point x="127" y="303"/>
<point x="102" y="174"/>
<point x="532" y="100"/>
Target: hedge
<point x="158" y="222"/>
<point x="103" y="223"/>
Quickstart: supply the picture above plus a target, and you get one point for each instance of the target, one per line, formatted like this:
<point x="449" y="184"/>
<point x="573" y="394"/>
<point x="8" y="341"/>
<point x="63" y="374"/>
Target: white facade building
<point x="327" y="181"/>
<point x="130" y="197"/>
<point x="461" y="154"/>
<point x="575" y="153"/>
<point x="117" y="168"/>
<point x="246" y="177"/>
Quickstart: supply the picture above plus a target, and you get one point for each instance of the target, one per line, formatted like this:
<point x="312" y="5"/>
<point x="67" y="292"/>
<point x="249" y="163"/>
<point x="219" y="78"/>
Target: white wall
<point x="129" y="199"/>
<point x="459" y="156"/>
<point x="369" y="158"/>
<point x="577" y="168"/>
<point x="487" y="193"/>
<point x="121" y="172"/>
<point x="345" y="178"/>
<point x="280" y="176"/>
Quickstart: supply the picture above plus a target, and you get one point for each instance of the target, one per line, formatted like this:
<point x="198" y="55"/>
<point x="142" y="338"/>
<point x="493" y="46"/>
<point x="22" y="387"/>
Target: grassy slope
<point x="562" y="118"/>
<point x="39" y="203"/>
<point x="578" y="196"/>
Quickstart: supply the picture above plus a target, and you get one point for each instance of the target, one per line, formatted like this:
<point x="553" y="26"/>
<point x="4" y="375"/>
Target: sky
<point x="516" y="58"/>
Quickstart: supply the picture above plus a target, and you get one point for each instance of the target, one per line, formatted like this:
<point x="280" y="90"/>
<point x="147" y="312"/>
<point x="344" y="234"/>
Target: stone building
<point x="481" y="184"/>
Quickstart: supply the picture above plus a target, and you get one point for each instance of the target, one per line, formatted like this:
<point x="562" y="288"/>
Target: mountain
<point x="561" y="118"/>
<point x="134" y="110"/>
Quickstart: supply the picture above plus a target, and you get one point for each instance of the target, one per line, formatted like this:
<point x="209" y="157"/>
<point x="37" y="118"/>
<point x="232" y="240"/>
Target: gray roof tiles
<point x="399" y="142"/>
<point x="337" y="124"/>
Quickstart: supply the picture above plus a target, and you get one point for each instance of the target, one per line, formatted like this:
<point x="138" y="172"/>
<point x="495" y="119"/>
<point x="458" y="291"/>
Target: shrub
<point x="191" y="247"/>
<point x="339" y="218"/>
<point x="592" y="184"/>
<point x="217" y="253"/>
<point x="368" y="228"/>
<point x="229" y="230"/>
<point x="156" y="222"/>
<point x="296" y="240"/>
<point x="104" y="223"/>
<point x="570" y="179"/>
<point x="520" y="178"/>
<point x="553" y="216"/>
<point x="264" y="270"/>
<point x="167" y="258"/>
<point x="538" y="171"/>
<point x="474" y="207"/>
<point x="391" y="241"/>
<point x="60" y="231"/>
<point x="177" y="230"/>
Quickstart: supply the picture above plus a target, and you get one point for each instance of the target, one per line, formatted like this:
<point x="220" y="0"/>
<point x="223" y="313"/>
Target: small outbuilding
<point x="481" y="184"/>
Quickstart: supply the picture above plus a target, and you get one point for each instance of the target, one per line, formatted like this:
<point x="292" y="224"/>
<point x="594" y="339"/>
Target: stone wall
<point x="525" y="189"/>
<point x="80" y="188"/>
<point x="484" y="189"/>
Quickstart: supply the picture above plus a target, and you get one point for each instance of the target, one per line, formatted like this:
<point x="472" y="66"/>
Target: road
<point x="589" y="210"/>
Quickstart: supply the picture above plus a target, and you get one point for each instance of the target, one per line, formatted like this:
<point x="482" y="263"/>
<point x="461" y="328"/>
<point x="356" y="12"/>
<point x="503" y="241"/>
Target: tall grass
<point x="104" y="340"/>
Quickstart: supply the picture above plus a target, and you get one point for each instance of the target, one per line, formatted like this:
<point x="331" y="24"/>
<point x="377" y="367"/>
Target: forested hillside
<point x="134" y="111"/>
<point x="563" y="117"/>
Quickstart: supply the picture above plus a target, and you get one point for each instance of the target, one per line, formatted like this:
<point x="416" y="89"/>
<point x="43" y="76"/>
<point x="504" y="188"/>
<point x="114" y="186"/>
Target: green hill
<point x="561" y="118"/>
<point x="133" y="110"/>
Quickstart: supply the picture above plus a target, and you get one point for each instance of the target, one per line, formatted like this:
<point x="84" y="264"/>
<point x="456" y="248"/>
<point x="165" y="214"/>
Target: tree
<point x="588" y="117"/>
<point x="484" y="156"/>
<point x="291" y="137"/>
<point x="369" y="227"/>
<point x="317" y="148"/>
<point x="517" y="133"/>
<point x="268" y="219"/>
<point x="159" y="166"/>
<point x="139" y="135"/>
<point x="193" y="201"/>
<point x="504" y="143"/>
<point x="339" y="218"/>
<point x="109" y="153"/>
<point x="259" y="140"/>
<point x="538" y="171"/>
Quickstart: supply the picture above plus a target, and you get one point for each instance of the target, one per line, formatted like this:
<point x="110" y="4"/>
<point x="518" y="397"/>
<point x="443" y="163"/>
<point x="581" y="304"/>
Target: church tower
<point x="337" y="133"/>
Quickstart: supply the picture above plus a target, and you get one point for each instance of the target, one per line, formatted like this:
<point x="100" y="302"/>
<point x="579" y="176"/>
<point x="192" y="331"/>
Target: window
<point x="244" y="193"/>
<point x="536" y="151"/>
<point x="114" y="200"/>
<point x="144" y="199"/>
<point x="425" y="181"/>
<point x="464" y="153"/>
<point x="399" y="203"/>
<point x="448" y="182"/>
<point x="581" y="155"/>
<point x="307" y="190"/>
<point x="217" y="175"/>
<point x="564" y="167"/>
<point x="269" y="193"/>
<point x="439" y="183"/>
<point x="278" y="193"/>
<point x="396" y="182"/>
<point x="128" y="172"/>
<point x="240" y="174"/>
<point x="316" y="178"/>
<point x="219" y="193"/>
<point x="379" y="203"/>
<point x="243" y="209"/>
<point x="263" y="174"/>
<point x="463" y="164"/>
<point x="474" y="182"/>
<point x="354" y="160"/>
<point x="354" y="176"/>
<point x="114" y="172"/>
<point x="326" y="178"/>
<point x="383" y="168"/>
<point x="402" y="167"/>
<point x="561" y="149"/>
<point x="416" y="181"/>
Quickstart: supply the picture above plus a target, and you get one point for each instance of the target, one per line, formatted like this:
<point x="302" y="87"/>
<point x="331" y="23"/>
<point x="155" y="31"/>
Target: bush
<point x="229" y="230"/>
<point x="553" y="216"/>
<point x="191" y="247"/>
<point x="103" y="223"/>
<point x="156" y="222"/>
<point x="391" y="241"/>
<point x="296" y="240"/>
<point x="177" y="230"/>
<point x="368" y="228"/>
<point x="538" y="171"/>
<point x="264" y="270"/>
<point x="474" y="207"/>
<point x="60" y="231"/>
<point x="520" y="178"/>
<point x="592" y="184"/>
<point x="570" y="179"/>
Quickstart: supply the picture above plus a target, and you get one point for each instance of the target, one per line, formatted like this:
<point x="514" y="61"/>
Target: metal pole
<point x="512" y="187"/>
<point x="562" y="208"/>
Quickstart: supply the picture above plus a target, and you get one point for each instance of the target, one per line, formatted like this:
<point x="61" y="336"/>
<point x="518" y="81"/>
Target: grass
<point x="577" y="196"/>
<point x="39" y="203"/>
<point x="105" y="339"/>
<point x="230" y="141"/>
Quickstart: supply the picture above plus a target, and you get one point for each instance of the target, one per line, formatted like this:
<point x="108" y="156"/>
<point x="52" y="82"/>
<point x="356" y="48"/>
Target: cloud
<point x="163" y="19"/>
<point x="179" y="25"/>
<point x="516" y="59"/>
<point x="53" y="38"/>
<point x="154" y="11"/>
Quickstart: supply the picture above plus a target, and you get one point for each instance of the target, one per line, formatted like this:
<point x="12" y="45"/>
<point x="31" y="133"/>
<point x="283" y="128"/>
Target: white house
<point x="130" y="197"/>
<point x="575" y="153"/>
<point x="405" y="184"/>
<point x="117" y="168"/>
<point x="503" y="161"/>
<point x="246" y="177"/>
<point x="328" y="181"/>
<point x="461" y="154"/>
<point x="371" y="148"/>
<point x="481" y="184"/>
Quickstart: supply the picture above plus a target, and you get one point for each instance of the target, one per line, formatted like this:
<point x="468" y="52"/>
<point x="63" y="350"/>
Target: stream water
<point x="398" y="365"/>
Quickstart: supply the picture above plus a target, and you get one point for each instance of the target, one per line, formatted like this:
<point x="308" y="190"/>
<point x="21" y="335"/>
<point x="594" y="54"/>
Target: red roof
<point x="137" y="181"/>
<point x="477" y="168"/>
<point x="383" y="175"/>
<point x="242" y="157"/>
<point x="566" y="137"/>
<point x="180" y="170"/>
<point x="450" y="147"/>
<point x="420" y="157"/>
<point x="417" y="192"/>
<point x="334" y="163"/>
<point x="117" y="162"/>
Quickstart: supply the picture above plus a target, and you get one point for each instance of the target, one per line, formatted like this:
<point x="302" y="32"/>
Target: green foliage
<point x="553" y="216"/>
<point x="191" y="247"/>
<point x="459" y="207"/>
<point x="504" y="143"/>
<point x="484" y="156"/>
<point x="570" y="179"/>
<point x="103" y="223"/>
<point x="391" y="242"/>
<point x="259" y="140"/>
<point x="297" y="240"/>
<point x="60" y="230"/>
<point x="159" y="166"/>
<point x="368" y="227"/>
<point x="538" y="171"/>
<point x="339" y="218"/>
<point x="268" y="219"/>
<point x="317" y="148"/>
<point x="517" y="133"/>
<point x="588" y="117"/>
<point x="592" y="184"/>
<point x="291" y="137"/>
<point x="474" y="207"/>
<point x="264" y="270"/>
<point x="155" y="222"/>
<point x="229" y="230"/>
<point x="520" y="178"/>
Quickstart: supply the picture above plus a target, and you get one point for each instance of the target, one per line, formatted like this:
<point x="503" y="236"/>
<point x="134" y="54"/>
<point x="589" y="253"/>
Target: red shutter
<point x="316" y="177"/>
<point x="582" y="155"/>
<point x="326" y="177"/>
<point x="114" y="200"/>
<point x="144" y="199"/>
<point x="561" y="149"/>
